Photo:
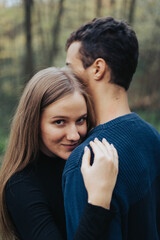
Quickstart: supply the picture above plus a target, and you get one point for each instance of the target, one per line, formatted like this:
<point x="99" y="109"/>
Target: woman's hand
<point x="100" y="177"/>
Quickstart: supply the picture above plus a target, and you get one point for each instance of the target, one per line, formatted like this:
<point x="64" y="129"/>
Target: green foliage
<point x="3" y="145"/>
<point x="151" y="117"/>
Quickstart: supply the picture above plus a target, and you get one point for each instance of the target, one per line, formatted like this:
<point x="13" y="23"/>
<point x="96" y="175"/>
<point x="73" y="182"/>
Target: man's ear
<point x="99" y="68"/>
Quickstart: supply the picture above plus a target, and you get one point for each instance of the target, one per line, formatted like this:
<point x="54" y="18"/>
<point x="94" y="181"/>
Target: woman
<point x="52" y="118"/>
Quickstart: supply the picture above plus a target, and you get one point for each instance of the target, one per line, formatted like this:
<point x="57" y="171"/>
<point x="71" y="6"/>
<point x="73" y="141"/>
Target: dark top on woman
<point x="35" y="203"/>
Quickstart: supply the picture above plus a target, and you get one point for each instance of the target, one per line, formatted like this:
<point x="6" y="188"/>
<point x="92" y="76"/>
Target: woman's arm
<point x="29" y="210"/>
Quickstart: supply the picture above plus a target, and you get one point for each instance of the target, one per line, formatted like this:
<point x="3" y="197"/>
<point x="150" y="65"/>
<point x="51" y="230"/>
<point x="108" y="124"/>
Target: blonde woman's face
<point x="63" y="125"/>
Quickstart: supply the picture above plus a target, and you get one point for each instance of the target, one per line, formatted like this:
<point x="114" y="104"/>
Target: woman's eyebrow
<point x="61" y="116"/>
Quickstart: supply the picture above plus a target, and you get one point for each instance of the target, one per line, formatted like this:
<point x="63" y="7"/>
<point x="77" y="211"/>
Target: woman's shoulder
<point x="21" y="177"/>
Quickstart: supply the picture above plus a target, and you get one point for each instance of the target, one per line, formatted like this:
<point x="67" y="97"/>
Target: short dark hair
<point x="112" y="40"/>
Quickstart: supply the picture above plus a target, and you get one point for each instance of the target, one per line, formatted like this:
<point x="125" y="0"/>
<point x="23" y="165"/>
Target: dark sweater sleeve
<point x="34" y="220"/>
<point x="93" y="223"/>
<point x="30" y="212"/>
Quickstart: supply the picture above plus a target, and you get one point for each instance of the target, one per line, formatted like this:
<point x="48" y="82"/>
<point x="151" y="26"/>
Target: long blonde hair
<point x="46" y="87"/>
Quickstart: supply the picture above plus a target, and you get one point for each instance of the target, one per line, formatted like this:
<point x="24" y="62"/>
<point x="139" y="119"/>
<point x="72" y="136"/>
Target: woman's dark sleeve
<point x="93" y="223"/>
<point x="30" y="212"/>
<point x="34" y="220"/>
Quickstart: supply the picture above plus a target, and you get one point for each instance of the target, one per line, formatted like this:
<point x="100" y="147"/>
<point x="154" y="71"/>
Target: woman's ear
<point x="99" y="68"/>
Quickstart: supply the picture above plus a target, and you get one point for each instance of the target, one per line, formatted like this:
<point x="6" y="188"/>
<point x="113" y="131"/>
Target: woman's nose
<point x="73" y="134"/>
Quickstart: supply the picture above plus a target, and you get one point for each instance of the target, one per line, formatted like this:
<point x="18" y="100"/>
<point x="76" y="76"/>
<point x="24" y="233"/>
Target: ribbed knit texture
<point x="138" y="183"/>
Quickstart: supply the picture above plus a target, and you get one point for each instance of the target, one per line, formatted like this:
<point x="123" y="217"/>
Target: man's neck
<point x="110" y="105"/>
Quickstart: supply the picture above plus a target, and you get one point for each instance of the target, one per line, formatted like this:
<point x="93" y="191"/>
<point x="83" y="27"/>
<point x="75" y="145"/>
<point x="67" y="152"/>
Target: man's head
<point x="105" y="39"/>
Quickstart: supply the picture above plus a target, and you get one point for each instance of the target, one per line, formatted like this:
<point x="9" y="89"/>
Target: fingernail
<point x="112" y="145"/>
<point x="96" y="139"/>
<point x="85" y="148"/>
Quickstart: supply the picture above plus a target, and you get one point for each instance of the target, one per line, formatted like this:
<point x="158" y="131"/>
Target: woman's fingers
<point x="100" y="177"/>
<point x="95" y="148"/>
<point x="107" y="145"/>
<point x="86" y="159"/>
<point x="102" y="149"/>
<point x="100" y="145"/>
<point x="115" y="154"/>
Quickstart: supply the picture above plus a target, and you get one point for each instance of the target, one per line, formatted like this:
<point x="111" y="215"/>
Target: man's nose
<point x="73" y="134"/>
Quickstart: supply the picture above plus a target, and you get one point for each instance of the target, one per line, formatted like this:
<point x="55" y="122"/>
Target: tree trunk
<point x="112" y="2"/>
<point x="82" y="11"/>
<point x="55" y="34"/>
<point x="98" y="8"/>
<point x="132" y="12"/>
<point x="123" y="9"/>
<point x="112" y="7"/>
<point x="28" y="33"/>
<point x="43" y="45"/>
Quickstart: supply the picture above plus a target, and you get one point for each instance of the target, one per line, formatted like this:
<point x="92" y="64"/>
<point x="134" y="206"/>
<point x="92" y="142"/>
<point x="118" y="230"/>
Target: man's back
<point x="136" y="198"/>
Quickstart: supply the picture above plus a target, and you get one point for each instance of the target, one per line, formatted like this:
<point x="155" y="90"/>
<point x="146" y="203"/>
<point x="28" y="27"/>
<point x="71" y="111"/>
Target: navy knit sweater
<point x="136" y="198"/>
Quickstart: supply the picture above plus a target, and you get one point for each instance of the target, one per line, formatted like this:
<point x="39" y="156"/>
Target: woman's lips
<point x="71" y="146"/>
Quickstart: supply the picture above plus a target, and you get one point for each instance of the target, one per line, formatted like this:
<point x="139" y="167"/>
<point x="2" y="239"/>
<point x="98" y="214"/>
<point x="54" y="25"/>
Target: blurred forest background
<point x="33" y="35"/>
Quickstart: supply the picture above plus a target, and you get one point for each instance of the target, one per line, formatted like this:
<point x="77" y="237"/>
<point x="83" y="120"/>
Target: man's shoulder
<point x="126" y="133"/>
<point x="133" y="123"/>
<point x="107" y="130"/>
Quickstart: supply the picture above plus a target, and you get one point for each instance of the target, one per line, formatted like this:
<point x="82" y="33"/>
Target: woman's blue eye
<point x="59" y="122"/>
<point x="81" y="120"/>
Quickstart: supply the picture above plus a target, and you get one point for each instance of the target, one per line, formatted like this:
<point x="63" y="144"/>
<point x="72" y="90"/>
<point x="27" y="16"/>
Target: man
<point x="104" y="54"/>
